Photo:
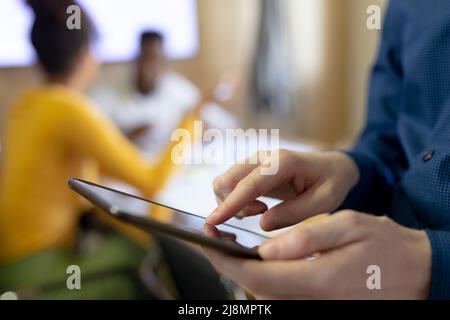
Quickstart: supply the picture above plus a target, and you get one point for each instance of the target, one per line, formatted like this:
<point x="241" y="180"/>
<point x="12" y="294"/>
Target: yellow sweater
<point x="50" y="133"/>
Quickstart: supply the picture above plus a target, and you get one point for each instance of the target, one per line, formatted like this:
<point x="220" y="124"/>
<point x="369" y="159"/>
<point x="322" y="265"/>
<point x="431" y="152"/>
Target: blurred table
<point x="190" y="188"/>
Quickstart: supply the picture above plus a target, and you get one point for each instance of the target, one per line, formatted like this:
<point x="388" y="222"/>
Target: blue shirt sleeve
<point x="378" y="153"/>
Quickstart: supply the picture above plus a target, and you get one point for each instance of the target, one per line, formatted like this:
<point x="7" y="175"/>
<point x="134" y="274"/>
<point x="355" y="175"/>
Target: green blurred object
<point x="108" y="272"/>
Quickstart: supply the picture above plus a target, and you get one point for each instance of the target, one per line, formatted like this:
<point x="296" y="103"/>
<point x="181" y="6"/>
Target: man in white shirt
<point x="149" y="107"/>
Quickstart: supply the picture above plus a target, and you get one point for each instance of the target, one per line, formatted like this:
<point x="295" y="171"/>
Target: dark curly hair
<point x="58" y="47"/>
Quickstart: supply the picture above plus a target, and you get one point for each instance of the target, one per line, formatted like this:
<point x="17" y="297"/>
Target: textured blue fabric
<point x="440" y="242"/>
<point x="404" y="152"/>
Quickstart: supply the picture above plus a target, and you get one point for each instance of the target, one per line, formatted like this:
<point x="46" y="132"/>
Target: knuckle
<point x="280" y="154"/>
<point x="333" y="198"/>
<point x="293" y="216"/>
<point x="217" y="185"/>
<point x="286" y="211"/>
<point x="384" y="220"/>
<point x="304" y="238"/>
<point x="332" y="193"/>
<point x="222" y="185"/>
<point x="284" y="154"/>
<point x="352" y="218"/>
<point x="249" y="184"/>
<point x="348" y="212"/>
<point x="281" y="251"/>
<point x="261" y="156"/>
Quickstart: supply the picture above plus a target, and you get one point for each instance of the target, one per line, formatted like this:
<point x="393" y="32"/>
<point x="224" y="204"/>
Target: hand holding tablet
<point x="186" y="226"/>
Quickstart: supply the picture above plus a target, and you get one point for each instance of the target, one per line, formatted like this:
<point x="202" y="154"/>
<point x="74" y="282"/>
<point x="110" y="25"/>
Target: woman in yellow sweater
<point x="51" y="132"/>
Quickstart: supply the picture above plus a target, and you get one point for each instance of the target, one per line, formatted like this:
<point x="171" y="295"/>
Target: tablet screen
<point x="117" y="201"/>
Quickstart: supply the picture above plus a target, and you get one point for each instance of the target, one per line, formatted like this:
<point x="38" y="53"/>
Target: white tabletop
<point x="190" y="189"/>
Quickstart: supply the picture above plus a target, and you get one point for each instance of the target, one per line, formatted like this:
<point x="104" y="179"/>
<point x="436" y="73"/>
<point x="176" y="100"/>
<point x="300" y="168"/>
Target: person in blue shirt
<point x="389" y="236"/>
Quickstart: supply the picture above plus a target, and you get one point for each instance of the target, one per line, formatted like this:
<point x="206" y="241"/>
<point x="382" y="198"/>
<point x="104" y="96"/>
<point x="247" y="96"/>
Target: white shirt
<point x="162" y="109"/>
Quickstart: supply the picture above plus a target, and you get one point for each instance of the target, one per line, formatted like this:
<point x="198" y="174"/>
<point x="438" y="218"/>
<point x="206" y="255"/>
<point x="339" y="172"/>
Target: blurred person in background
<point x="148" y="107"/>
<point x="52" y="132"/>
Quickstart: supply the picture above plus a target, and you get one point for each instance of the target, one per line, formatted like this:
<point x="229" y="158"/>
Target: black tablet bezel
<point x="153" y="226"/>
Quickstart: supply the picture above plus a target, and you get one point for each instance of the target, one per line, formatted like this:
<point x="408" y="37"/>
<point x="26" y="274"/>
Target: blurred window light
<point x="119" y="24"/>
<point x="307" y="23"/>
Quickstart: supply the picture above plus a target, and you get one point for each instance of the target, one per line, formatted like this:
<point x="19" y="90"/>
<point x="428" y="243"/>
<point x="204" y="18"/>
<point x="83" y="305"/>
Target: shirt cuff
<point x="440" y="270"/>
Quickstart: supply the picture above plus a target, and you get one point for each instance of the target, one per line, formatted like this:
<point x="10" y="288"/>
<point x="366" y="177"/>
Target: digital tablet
<point x="183" y="225"/>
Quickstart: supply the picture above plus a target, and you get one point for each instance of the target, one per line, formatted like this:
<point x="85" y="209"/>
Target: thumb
<point x="306" y="239"/>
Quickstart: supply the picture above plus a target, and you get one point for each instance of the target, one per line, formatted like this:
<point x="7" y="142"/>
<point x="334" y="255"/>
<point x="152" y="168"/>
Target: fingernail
<point x="268" y="250"/>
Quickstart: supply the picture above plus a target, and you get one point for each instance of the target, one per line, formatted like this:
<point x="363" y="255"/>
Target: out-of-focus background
<point x="329" y="55"/>
<point x="300" y="66"/>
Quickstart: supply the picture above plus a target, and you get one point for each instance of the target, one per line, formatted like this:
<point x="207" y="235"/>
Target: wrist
<point x="347" y="169"/>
